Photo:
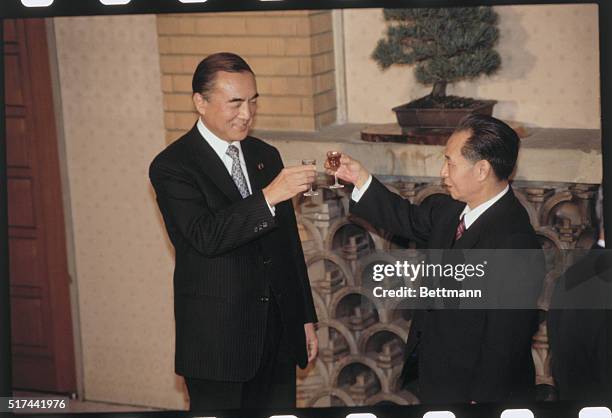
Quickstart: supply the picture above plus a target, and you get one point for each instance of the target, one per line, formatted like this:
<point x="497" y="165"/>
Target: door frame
<point x="68" y="222"/>
<point x="33" y="47"/>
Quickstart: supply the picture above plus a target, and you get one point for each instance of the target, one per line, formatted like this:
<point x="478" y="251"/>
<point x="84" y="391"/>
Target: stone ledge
<point x="547" y="155"/>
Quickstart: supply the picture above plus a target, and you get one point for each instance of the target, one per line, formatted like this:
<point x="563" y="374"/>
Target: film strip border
<point x="51" y="8"/>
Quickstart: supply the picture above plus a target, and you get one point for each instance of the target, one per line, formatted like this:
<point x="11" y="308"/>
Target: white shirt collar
<point x="218" y="144"/>
<point x="220" y="147"/>
<point x="472" y="214"/>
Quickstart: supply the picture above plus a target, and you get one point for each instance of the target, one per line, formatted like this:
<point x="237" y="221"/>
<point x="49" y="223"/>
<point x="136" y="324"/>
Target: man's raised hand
<point x="350" y="170"/>
<point x="289" y="182"/>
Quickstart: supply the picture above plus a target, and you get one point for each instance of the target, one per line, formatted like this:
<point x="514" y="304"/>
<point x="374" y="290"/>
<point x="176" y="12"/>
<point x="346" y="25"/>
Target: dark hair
<point x="492" y="140"/>
<point x="206" y="73"/>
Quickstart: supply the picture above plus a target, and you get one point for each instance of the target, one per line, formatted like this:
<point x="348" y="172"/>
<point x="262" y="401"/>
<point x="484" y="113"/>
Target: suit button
<point x="264" y="299"/>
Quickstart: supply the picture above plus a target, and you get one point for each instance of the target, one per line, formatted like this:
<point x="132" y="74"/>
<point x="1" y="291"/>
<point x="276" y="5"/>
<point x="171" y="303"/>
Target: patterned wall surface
<point x="113" y="122"/>
<point x="362" y="338"/>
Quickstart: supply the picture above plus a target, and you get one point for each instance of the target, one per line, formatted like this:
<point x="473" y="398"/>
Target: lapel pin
<point x="260" y="166"/>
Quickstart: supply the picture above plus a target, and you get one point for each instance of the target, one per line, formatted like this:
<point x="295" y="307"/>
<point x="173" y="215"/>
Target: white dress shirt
<point x="470" y="214"/>
<point x="220" y="147"/>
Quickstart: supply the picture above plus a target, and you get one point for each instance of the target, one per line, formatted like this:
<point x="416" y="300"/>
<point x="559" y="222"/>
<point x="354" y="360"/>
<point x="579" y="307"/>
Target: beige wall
<point x="291" y="52"/>
<point x="549" y="75"/>
<point x="113" y="122"/>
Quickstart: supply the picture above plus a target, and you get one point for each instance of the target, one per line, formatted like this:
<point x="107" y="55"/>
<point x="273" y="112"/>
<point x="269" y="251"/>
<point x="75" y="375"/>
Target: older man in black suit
<point x="462" y="355"/>
<point x="243" y="307"/>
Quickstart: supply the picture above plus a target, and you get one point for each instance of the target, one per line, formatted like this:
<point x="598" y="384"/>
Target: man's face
<point x="230" y="107"/>
<point x="459" y="175"/>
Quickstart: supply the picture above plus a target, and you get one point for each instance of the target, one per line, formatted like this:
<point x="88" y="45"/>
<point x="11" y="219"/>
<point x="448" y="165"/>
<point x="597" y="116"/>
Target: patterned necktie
<point x="460" y="229"/>
<point x="237" y="174"/>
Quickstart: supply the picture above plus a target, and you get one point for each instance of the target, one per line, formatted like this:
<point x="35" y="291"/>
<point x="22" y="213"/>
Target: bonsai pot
<point x="411" y="115"/>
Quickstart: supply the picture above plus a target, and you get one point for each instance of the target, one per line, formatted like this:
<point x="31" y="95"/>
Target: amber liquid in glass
<point x="333" y="161"/>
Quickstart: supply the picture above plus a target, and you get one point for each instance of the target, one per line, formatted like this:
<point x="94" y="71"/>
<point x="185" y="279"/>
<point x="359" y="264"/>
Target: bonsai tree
<point x="446" y="44"/>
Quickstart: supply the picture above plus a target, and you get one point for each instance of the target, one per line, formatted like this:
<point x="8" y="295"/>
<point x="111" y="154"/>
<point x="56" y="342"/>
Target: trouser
<point x="273" y="385"/>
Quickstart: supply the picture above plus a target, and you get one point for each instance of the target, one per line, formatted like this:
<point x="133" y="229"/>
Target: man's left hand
<point x="312" y="342"/>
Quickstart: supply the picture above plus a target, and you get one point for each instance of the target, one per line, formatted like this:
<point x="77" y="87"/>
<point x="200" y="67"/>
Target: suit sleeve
<point x="385" y="209"/>
<point x="212" y="233"/>
<point x="310" y="314"/>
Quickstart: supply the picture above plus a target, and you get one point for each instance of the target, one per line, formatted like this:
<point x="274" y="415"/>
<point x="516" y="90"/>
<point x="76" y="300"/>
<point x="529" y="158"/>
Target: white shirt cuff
<point x="357" y="193"/>
<point x="272" y="208"/>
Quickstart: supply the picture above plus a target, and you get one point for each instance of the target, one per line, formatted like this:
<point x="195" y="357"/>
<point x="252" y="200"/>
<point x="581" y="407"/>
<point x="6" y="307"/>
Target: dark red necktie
<point x="460" y="229"/>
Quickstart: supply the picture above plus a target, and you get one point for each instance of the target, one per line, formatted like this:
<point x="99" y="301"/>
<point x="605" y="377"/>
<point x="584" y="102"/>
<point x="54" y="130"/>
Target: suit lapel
<point x="450" y="228"/>
<point x="472" y="235"/>
<point x="255" y="165"/>
<point x="212" y="166"/>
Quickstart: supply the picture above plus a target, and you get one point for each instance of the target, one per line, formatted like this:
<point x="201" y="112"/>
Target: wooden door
<point x="41" y="327"/>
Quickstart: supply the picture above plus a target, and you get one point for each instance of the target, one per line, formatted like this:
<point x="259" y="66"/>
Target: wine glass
<point x="333" y="161"/>
<point x="310" y="191"/>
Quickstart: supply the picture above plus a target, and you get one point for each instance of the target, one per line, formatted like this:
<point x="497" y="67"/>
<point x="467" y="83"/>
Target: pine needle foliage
<point x="446" y="44"/>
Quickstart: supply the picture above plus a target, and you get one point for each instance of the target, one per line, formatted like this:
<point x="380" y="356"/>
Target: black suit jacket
<point x="463" y="355"/>
<point x="230" y="254"/>
<point x="580" y="339"/>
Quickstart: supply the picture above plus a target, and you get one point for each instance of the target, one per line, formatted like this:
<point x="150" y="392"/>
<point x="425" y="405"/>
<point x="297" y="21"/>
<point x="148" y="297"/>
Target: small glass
<point x="310" y="191"/>
<point x="333" y="162"/>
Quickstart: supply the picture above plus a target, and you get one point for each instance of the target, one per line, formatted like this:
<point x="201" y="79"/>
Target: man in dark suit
<point x="462" y="355"/>
<point x="243" y="307"/>
<point x="579" y="325"/>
